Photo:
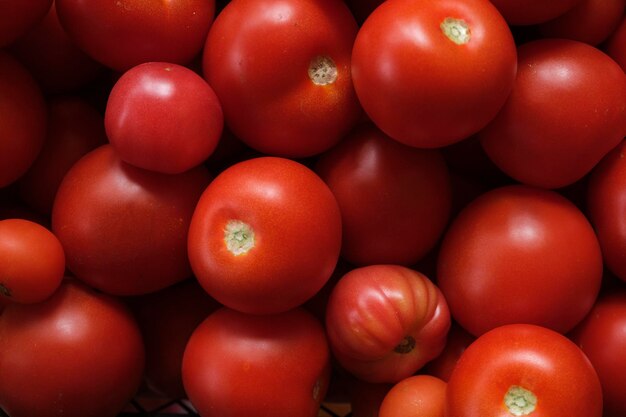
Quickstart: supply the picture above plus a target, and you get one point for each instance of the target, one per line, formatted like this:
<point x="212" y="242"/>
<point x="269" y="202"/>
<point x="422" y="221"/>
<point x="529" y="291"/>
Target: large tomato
<point x="122" y="34"/>
<point x="124" y="229"/>
<point x="265" y="235"/>
<point x="281" y="69"/>
<point x="566" y="111"/>
<point x="520" y="254"/>
<point x="415" y="396"/>
<point x="523" y="369"/>
<point x="242" y="365"/>
<point x="384" y="322"/>
<point x="386" y="190"/>
<point x="431" y="73"/>
<point x="77" y="354"/>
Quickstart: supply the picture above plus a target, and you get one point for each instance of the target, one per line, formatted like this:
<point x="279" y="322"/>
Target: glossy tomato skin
<point x="566" y="111"/>
<point x="427" y="89"/>
<point x="168" y="129"/>
<point x="417" y="395"/>
<point x="375" y="333"/>
<point x="601" y="337"/>
<point x="519" y="254"/>
<point x="385" y="190"/>
<point x="265" y="235"/>
<point x="122" y="34"/>
<point x="22" y="120"/>
<point x="257" y="58"/>
<point x="524" y="12"/>
<point x="77" y="354"/>
<point x="518" y="357"/>
<point x="32" y="261"/>
<point x="124" y="229"/>
<point x="237" y="365"/>
<point x="17" y="17"/>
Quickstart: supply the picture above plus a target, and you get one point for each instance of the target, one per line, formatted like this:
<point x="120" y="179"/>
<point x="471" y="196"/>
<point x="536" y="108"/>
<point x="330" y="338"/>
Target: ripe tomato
<point x="519" y="254"/>
<point x="385" y="190"/>
<point x="163" y="117"/>
<point x="32" y="261"/>
<point x="122" y="34"/>
<point x="281" y="69"/>
<point x="375" y="333"/>
<point x="265" y="235"/>
<point x="601" y="336"/>
<point x="22" y="119"/>
<point x="124" y="229"/>
<point x="525" y="12"/>
<point x="432" y="73"/>
<point x="566" y="111"/>
<point x="417" y="395"/>
<point x="17" y="17"/>
<point x="241" y="365"/>
<point x="77" y="354"/>
<point x="523" y="369"/>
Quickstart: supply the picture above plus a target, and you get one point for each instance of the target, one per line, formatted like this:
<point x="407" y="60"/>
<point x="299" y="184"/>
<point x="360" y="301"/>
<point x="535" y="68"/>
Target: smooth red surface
<point x="417" y="395"/>
<point x="615" y="46"/>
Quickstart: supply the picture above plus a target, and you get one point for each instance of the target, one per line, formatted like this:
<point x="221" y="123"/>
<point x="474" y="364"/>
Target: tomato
<point x="615" y="46"/>
<point x="237" y="365"/>
<point x="385" y="190"/>
<point x="22" y="119"/>
<point x="124" y="229"/>
<point x="57" y="64"/>
<point x="442" y="366"/>
<point x="601" y="336"/>
<point x="566" y="111"/>
<point x="524" y="12"/>
<point x="519" y="254"/>
<point x="375" y="333"/>
<point x="74" y="128"/>
<point x="265" y="235"/>
<point x="122" y="34"/>
<point x="163" y="117"/>
<point x="281" y="69"/>
<point x="429" y="74"/>
<point x="417" y="395"/>
<point x="17" y="17"/>
<point x="523" y="369"/>
<point x="589" y="21"/>
<point x="32" y="261"/>
<point x="77" y="354"/>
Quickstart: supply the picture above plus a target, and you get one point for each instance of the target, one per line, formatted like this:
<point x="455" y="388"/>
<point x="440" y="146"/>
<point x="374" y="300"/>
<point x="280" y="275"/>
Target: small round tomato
<point x="163" y="117"/>
<point x="265" y="235"/>
<point x="242" y="365"/>
<point x="281" y="69"/>
<point x="523" y="369"/>
<point x="432" y="73"/>
<point x="530" y="12"/>
<point x="385" y="190"/>
<point x="32" y="261"/>
<point x="519" y="254"/>
<point x="79" y="353"/>
<point x="373" y="331"/>
<point x="17" y="17"/>
<point x="417" y="395"/>
<point x="566" y="111"/>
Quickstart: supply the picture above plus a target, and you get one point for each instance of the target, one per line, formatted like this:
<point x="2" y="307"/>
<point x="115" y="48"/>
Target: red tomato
<point x="124" y="229"/>
<point x="442" y="366"/>
<point x="525" y="12"/>
<point x="606" y="203"/>
<point x="22" y="119"/>
<point x="17" y="17"/>
<point x="519" y="254"/>
<point x="566" y="111"/>
<point x="375" y="333"/>
<point x="74" y="128"/>
<point x="432" y="73"/>
<point x="241" y="365"/>
<point x="32" y="261"/>
<point x="281" y="69"/>
<point x="386" y="190"/>
<point x="124" y="33"/>
<point x="77" y="354"/>
<point x="265" y="235"/>
<point x="615" y="46"/>
<point x="601" y="336"/>
<point x="523" y="369"/>
<point x="418" y="395"/>
<point x="163" y="117"/>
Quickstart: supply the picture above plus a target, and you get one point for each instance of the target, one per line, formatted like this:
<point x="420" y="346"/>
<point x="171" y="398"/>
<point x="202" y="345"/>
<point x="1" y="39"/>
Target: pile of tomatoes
<point x="416" y="207"/>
